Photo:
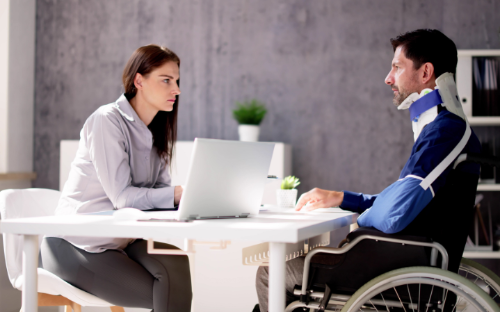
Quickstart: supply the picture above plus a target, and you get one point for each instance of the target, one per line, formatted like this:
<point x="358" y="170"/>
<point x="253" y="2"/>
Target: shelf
<point x="484" y="121"/>
<point x="488" y="187"/>
<point x="488" y="52"/>
<point x="481" y="254"/>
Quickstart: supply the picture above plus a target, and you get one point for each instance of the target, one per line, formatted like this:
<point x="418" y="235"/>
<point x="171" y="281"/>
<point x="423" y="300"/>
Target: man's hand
<point x="177" y="194"/>
<point x="318" y="198"/>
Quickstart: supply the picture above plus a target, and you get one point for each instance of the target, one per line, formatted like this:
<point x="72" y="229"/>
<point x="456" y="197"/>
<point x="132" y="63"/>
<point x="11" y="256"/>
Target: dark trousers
<point x="130" y="279"/>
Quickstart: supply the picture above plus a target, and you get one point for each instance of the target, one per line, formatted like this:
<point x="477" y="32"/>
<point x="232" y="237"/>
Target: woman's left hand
<point x="177" y="194"/>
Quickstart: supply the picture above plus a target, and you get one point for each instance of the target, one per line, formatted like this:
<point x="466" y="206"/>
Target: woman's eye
<point x="166" y="80"/>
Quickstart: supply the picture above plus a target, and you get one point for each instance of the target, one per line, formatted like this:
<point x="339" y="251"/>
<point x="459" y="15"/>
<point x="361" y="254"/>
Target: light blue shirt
<point x="116" y="166"/>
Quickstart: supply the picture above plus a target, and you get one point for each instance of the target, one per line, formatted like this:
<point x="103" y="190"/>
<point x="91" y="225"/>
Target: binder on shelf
<point x="485" y="93"/>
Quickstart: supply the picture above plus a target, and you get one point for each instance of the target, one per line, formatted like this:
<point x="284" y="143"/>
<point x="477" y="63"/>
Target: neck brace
<point x="423" y="107"/>
<point x="449" y="96"/>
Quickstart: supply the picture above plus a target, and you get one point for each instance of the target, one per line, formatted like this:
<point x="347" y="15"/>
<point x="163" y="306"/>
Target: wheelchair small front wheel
<point x="420" y="289"/>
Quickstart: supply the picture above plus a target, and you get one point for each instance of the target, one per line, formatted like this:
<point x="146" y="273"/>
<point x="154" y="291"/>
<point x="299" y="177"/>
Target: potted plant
<point x="287" y="195"/>
<point x="249" y="115"/>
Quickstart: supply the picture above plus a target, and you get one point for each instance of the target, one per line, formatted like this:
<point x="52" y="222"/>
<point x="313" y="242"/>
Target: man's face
<point x="403" y="77"/>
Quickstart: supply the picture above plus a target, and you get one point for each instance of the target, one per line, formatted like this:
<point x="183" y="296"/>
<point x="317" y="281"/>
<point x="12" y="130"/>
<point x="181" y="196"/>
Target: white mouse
<point x="128" y="214"/>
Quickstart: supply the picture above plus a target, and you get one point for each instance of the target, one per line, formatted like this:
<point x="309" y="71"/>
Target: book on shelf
<point x="485" y="83"/>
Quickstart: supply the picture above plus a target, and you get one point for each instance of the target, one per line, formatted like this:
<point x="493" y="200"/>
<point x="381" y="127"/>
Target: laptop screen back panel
<point x="225" y="178"/>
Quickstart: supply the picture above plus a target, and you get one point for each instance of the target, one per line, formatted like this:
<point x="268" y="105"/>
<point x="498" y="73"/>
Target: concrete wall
<point x="318" y="65"/>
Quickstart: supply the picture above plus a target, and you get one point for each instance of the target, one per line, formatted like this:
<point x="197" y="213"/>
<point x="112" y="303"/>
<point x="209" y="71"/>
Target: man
<point x="420" y="57"/>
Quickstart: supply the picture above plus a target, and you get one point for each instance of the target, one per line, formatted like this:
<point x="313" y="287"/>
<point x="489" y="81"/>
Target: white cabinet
<point x="464" y="85"/>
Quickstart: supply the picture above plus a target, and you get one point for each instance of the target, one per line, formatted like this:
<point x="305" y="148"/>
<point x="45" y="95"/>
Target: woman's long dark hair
<point x="164" y="125"/>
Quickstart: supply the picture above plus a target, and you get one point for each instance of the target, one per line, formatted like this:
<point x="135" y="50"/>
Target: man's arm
<point x="318" y="198"/>
<point x="400" y="203"/>
<point x="357" y="202"/>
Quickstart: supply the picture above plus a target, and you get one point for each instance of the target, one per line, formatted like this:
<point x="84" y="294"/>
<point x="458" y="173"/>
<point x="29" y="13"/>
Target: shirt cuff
<point x="351" y="201"/>
<point x="163" y="197"/>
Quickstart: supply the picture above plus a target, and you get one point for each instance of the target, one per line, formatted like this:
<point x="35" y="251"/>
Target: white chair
<point x="52" y="290"/>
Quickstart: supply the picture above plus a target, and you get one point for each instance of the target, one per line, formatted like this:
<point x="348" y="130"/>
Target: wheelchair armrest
<point x="374" y="232"/>
<point x="369" y="233"/>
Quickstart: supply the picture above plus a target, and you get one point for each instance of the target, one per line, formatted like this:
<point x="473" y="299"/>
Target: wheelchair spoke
<point x="387" y="308"/>
<point x="445" y="297"/>
<point x="373" y="306"/>
<point x="409" y="294"/>
<point x="402" y="304"/>
<point x="456" y="304"/>
<point x="419" y="288"/>
<point x="430" y="296"/>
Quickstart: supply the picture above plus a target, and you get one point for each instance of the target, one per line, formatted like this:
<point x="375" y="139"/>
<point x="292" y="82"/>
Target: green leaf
<point x="289" y="183"/>
<point x="249" y="113"/>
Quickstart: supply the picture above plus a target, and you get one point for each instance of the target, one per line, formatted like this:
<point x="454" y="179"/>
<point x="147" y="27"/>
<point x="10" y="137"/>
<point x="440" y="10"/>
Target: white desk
<point x="275" y="228"/>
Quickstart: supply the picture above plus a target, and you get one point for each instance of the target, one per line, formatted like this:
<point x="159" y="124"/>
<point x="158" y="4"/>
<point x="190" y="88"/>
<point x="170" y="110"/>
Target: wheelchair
<point x="418" y="269"/>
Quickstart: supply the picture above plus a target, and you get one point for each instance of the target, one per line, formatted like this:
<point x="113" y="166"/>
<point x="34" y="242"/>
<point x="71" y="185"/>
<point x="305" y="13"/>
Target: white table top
<point x="286" y="227"/>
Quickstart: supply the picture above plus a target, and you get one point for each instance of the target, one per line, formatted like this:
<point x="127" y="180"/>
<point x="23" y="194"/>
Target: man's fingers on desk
<point x="301" y="202"/>
<point x="315" y="205"/>
<point x="304" y="202"/>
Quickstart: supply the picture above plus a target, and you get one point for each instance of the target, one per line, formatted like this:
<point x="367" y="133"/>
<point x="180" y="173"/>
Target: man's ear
<point x="138" y="81"/>
<point x="427" y="73"/>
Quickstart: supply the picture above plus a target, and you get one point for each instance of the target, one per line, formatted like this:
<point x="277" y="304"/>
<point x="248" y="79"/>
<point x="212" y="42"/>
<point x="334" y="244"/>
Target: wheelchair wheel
<point x="481" y="276"/>
<point x="419" y="289"/>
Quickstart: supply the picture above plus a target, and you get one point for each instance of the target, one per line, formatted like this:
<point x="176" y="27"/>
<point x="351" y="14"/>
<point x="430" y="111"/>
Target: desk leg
<point x="277" y="264"/>
<point x="30" y="265"/>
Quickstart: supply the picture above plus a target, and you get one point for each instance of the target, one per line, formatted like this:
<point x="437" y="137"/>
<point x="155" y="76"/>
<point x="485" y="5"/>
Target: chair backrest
<point x="23" y="203"/>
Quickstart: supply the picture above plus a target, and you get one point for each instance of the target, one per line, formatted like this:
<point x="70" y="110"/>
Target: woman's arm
<point x="164" y="180"/>
<point x="108" y="151"/>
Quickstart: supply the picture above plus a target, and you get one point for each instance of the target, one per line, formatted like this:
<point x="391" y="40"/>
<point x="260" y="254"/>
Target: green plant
<point x="289" y="183"/>
<point x="249" y="113"/>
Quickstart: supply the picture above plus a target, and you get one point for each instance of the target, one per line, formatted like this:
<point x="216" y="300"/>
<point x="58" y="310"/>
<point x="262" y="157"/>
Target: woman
<point x="122" y="161"/>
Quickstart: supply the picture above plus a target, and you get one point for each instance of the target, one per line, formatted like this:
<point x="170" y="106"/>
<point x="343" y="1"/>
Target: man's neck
<point x="430" y="85"/>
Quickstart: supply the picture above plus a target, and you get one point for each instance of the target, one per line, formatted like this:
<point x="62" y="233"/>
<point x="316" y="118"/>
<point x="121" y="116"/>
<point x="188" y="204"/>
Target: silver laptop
<point x="226" y="179"/>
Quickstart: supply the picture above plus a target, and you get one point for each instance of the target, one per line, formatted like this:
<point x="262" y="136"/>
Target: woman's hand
<point x="177" y="194"/>
<point x="318" y="198"/>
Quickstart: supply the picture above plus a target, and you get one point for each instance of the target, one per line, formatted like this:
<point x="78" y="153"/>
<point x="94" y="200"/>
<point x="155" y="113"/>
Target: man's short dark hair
<point x="428" y="45"/>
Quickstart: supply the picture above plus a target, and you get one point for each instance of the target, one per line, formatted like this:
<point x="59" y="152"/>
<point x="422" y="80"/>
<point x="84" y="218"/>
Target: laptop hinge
<point x="193" y="217"/>
<point x="197" y="217"/>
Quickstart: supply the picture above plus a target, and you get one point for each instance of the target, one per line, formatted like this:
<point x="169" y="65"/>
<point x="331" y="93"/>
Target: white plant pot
<point x="286" y="198"/>
<point x="249" y="133"/>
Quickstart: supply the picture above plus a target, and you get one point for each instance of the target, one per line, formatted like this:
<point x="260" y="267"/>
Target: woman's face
<point x="159" y="88"/>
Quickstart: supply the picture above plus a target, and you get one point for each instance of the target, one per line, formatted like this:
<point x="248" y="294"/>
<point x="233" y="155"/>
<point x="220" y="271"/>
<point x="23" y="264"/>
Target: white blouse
<point x="116" y="166"/>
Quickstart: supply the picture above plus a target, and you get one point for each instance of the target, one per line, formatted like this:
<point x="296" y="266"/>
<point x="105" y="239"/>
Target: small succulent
<point x="249" y="113"/>
<point x="289" y="183"/>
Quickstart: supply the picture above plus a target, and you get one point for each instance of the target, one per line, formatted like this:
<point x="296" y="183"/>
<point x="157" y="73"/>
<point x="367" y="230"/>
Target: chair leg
<point x="68" y="308"/>
<point x="76" y="307"/>
<point x="117" y="309"/>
